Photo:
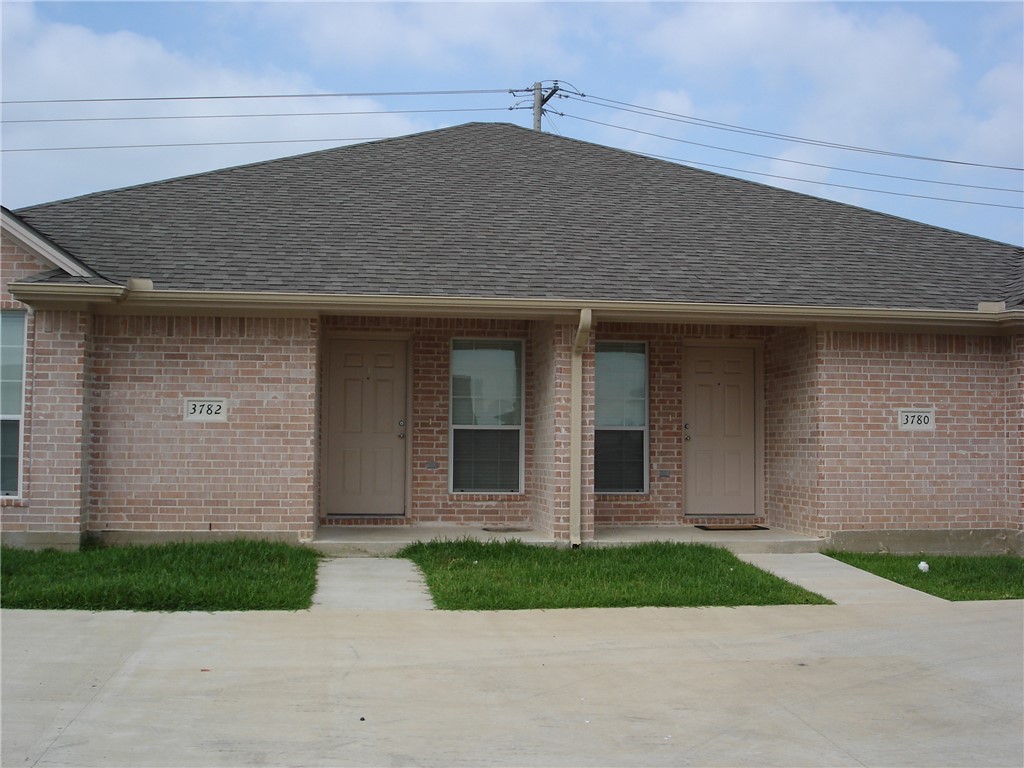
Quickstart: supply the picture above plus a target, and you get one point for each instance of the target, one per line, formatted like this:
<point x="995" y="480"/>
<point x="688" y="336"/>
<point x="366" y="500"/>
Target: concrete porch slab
<point x="386" y="540"/>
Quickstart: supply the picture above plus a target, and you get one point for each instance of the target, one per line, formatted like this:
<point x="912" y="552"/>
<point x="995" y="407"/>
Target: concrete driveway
<point x="917" y="683"/>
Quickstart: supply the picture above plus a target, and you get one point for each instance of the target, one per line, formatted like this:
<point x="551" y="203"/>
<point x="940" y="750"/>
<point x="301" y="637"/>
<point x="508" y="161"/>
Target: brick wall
<point x="153" y="471"/>
<point x="551" y="476"/>
<point x="1015" y="422"/>
<point x="834" y="459"/>
<point x="664" y="503"/>
<point x="875" y="477"/>
<point x="56" y="446"/>
<point x="53" y="420"/>
<point x="431" y="343"/>
<point x="588" y="499"/>
<point x="792" y="432"/>
<point x="17" y="264"/>
<point x="549" y="482"/>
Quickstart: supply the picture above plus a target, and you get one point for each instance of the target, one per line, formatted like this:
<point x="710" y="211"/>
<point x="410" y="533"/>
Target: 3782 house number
<point x="916" y="419"/>
<point x="206" y="409"/>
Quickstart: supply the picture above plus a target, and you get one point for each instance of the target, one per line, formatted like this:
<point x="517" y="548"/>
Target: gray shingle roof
<point x="494" y="210"/>
<point x="60" y="277"/>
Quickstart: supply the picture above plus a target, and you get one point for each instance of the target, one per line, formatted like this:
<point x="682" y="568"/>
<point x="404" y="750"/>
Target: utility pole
<point x="539" y="100"/>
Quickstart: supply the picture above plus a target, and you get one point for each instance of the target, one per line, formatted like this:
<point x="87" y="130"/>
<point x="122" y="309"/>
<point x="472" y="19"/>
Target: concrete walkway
<point x="841" y="583"/>
<point x="370" y="584"/>
<point x="387" y="584"/>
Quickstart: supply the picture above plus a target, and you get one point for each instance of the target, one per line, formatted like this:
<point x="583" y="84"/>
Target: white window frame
<point x="20" y="416"/>
<point x="491" y="427"/>
<point x="647" y="418"/>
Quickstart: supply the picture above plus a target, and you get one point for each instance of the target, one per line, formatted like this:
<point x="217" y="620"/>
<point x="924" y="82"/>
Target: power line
<point x="651" y="112"/>
<point x="785" y="160"/>
<point x="260" y="96"/>
<point x="262" y="114"/>
<point x="434" y="111"/>
<point x="830" y="184"/>
<point x="577" y="96"/>
<point x="196" y="144"/>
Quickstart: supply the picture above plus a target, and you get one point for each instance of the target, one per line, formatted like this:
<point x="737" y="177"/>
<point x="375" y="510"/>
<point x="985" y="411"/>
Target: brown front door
<point x="720" y="431"/>
<point x="365" y="424"/>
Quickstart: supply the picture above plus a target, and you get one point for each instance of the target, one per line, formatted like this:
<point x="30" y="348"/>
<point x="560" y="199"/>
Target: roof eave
<point x="123" y="300"/>
<point x="72" y="297"/>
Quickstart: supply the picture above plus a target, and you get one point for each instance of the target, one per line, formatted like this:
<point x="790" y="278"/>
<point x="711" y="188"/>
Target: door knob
<point x="687" y="438"/>
<point x="401" y="435"/>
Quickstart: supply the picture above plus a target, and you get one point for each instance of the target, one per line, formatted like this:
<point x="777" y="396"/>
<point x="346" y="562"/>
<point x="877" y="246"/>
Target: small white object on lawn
<point x="922" y="567"/>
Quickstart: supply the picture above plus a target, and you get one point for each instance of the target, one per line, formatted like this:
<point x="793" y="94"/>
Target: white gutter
<point x="576" y="426"/>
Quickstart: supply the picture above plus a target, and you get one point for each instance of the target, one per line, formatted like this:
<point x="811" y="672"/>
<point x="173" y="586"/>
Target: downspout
<point x="576" y="427"/>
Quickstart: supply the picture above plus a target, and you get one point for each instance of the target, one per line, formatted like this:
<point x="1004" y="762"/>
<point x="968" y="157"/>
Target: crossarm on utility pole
<point x="539" y="100"/>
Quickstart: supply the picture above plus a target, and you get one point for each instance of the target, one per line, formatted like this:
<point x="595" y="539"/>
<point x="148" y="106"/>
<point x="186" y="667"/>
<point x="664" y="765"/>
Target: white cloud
<point x="901" y="77"/>
<point x="857" y="77"/>
<point x="997" y="135"/>
<point x="60" y="61"/>
<point x="867" y="75"/>
<point x="433" y="37"/>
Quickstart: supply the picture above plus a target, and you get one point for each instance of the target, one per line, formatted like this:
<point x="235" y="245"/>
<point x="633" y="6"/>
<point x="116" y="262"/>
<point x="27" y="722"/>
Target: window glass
<point x="12" y="374"/>
<point x="621" y="381"/>
<point x="620" y="436"/>
<point x="618" y="461"/>
<point x="485" y="460"/>
<point x="486" y="382"/>
<point x="486" y="415"/>
<point x="10" y="450"/>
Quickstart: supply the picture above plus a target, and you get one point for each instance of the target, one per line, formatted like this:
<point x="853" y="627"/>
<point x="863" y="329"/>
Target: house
<point x="489" y="326"/>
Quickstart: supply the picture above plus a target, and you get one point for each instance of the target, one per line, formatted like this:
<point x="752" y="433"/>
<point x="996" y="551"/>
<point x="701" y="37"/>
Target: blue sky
<point x="943" y="81"/>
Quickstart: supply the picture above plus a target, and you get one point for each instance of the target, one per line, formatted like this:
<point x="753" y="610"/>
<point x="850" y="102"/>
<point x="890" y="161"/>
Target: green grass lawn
<point x="951" y="577"/>
<point x="487" y="576"/>
<point x="218" y="576"/>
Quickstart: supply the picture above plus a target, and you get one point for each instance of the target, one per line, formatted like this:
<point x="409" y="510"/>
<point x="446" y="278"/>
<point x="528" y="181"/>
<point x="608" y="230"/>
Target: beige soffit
<point x="117" y="299"/>
<point x="39" y="245"/>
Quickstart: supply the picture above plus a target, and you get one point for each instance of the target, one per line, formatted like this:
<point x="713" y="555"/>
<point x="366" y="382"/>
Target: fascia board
<point x="27" y="237"/>
<point x="455" y="306"/>
<point x="124" y="301"/>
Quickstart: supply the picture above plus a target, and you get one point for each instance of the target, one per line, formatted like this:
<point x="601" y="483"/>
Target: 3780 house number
<point x="916" y="419"/>
<point x="206" y="409"/>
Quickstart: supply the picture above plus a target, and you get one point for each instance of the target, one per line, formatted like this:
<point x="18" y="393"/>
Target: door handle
<point x="401" y="435"/>
<point x="687" y="438"/>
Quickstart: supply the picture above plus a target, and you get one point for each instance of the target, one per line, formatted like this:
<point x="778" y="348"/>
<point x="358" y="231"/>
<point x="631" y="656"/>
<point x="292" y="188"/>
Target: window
<point x="620" y="434"/>
<point x="486" y="416"/>
<point x="12" y="374"/>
